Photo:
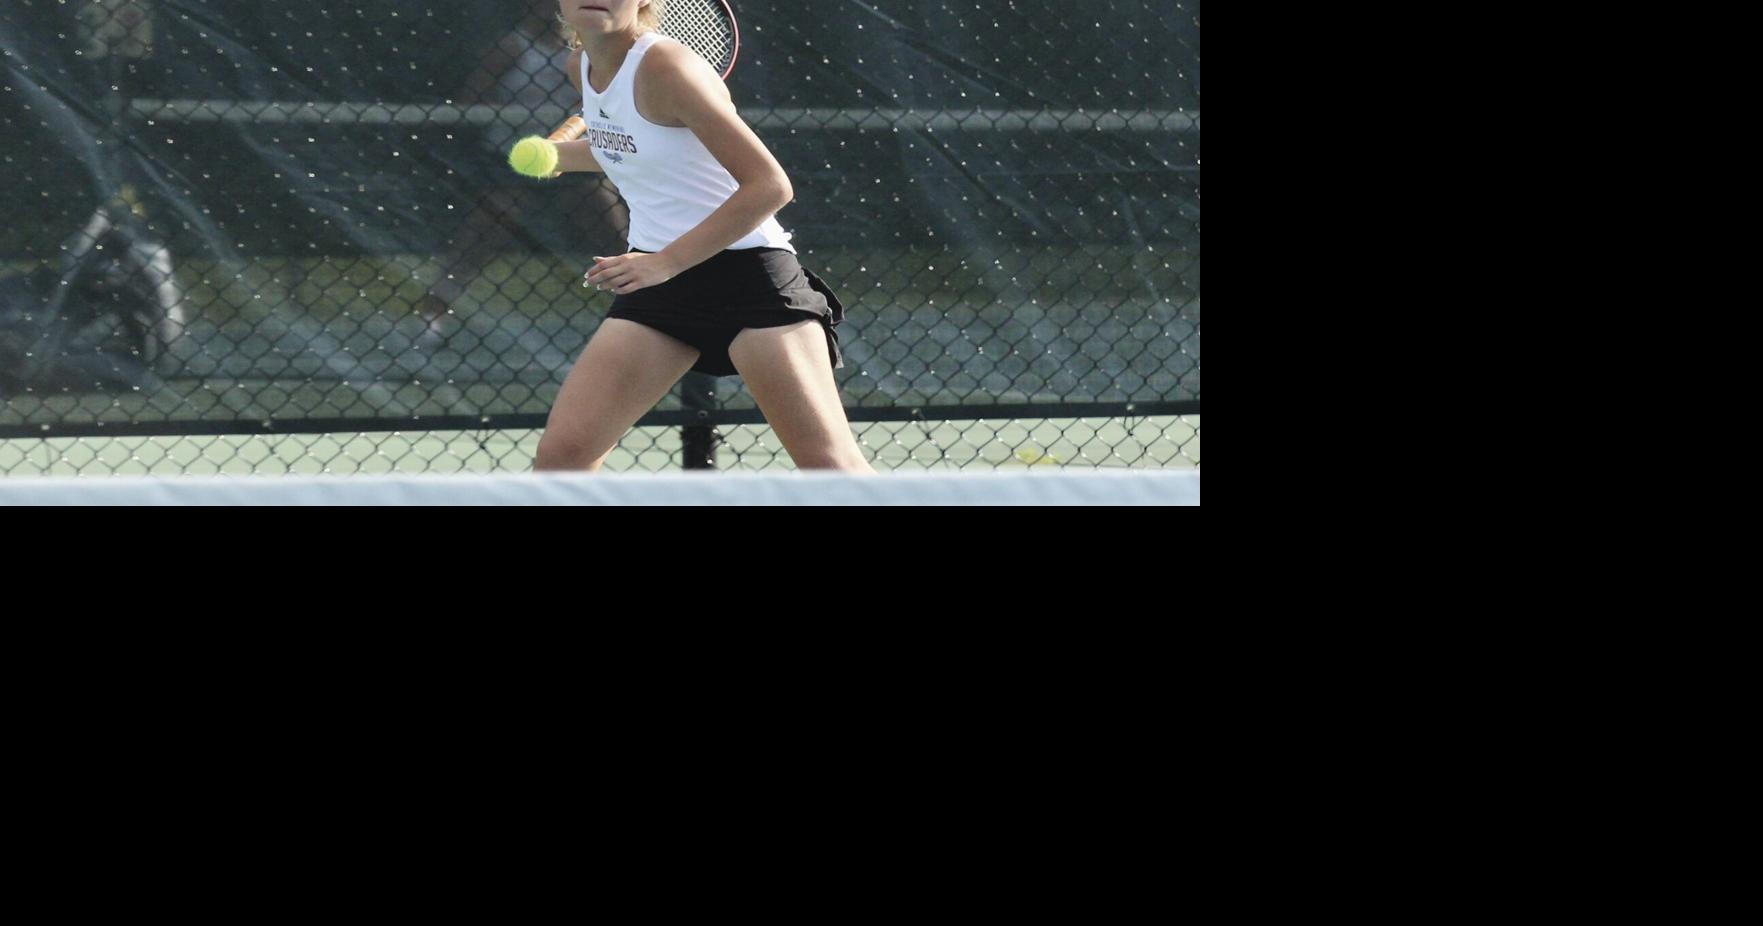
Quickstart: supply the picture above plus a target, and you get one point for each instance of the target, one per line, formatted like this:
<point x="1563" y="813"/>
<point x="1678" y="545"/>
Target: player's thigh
<point x="625" y="369"/>
<point x="789" y="372"/>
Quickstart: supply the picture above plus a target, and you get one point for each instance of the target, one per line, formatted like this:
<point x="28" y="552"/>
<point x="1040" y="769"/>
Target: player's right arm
<point x="576" y="156"/>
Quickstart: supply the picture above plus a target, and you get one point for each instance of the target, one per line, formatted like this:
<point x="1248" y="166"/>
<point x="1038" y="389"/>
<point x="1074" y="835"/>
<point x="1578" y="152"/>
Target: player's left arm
<point x="688" y="90"/>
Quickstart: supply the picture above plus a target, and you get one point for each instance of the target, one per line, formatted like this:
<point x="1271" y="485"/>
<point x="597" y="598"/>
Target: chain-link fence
<point x="249" y="238"/>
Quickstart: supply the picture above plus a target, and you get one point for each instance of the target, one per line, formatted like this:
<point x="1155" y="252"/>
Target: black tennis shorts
<point x="708" y="305"/>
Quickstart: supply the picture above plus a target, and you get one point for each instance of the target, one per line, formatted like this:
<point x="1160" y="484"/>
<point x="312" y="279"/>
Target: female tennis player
<point x="711" y="282"/>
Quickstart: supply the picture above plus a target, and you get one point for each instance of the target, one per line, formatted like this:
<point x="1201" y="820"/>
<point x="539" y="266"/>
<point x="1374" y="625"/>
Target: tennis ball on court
<point x="533" y="157"/>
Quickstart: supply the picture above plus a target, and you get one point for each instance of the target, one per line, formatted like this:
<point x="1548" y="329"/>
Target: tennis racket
<point x="707" y="27"/>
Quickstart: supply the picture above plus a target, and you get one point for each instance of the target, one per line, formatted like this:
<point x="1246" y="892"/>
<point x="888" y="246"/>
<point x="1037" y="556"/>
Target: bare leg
<point x="622" y="373"/>
<point x="789" y="372"/>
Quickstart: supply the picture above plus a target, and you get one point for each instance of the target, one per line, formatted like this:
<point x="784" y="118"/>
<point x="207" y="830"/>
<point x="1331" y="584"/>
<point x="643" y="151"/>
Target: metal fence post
<point x="699" y="441"/>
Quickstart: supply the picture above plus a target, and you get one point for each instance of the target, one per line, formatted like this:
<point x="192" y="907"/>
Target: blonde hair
<point x="649" y="17"/>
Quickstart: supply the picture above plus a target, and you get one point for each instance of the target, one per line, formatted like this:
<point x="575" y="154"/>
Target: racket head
<point x="707" y="27"/>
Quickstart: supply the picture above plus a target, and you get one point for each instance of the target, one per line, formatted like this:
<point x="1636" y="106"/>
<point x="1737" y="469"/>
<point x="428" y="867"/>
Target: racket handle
<point x="570" y="130"/>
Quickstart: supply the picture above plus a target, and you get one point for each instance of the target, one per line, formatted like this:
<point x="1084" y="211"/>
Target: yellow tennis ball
<point x="533" y="157"/>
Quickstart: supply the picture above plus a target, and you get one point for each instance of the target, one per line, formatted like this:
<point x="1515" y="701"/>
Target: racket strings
<point x="703" y="28"/>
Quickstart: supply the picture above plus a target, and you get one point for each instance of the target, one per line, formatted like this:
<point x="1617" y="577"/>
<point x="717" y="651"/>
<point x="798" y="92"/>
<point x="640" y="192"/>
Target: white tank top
<point x="671" y="182"/>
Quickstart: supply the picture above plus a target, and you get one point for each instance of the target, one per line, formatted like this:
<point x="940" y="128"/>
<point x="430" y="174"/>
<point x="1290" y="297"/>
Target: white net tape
<point x="1066" y="489"/>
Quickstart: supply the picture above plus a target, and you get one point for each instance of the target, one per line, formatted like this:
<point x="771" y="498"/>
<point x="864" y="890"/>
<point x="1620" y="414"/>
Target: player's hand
<point x="630" y="273"/>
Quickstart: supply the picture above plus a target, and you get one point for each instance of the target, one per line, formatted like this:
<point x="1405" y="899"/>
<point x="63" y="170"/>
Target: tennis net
<point x="1068" y="489"/>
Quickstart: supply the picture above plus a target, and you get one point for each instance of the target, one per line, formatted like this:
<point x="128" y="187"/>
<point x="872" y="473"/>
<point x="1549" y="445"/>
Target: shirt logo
<point x="603" y="115"/>
<point x="610" y="138"/>
<point x="615" y="157"/>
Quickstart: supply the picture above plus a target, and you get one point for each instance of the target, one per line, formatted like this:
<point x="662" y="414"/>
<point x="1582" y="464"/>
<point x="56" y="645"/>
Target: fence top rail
<point x="413" y="114"/>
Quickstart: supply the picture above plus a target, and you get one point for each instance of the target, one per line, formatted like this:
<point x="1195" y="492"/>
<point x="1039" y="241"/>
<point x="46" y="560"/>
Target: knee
<point x="559" y="453"/>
